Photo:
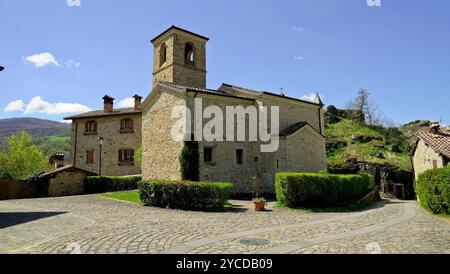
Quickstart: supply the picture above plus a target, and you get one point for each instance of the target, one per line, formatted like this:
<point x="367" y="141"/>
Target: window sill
<point x="126" y="163"/>
<point x="126" y="131"/>
<point x="210" y="164"/>
<point x="90" y="133"/>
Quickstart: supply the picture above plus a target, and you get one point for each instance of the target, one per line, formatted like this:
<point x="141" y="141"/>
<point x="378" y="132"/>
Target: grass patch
<point x="127" y="196"/>
<point x="381" y="143"/>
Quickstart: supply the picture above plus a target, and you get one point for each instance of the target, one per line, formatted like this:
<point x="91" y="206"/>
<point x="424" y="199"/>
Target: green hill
<point x="348" y="139"/>
<point x="50" y="136"/>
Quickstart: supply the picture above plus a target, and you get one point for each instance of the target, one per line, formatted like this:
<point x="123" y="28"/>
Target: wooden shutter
<point x="120" y="155"/>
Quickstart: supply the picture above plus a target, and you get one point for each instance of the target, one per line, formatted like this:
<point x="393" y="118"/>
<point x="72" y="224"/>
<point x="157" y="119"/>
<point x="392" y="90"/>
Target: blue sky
<point x="399" y="51"/>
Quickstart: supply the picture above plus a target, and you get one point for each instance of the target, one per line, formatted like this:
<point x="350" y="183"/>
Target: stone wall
<point x="424" y="157"/>
<point x="109" y="128"/>
<point x="160" y="159"/>
<point x="174" y="70"/>
<point x="67" y="183"/>
<point x="292" y="112"/>
<point x="303" y="151"/>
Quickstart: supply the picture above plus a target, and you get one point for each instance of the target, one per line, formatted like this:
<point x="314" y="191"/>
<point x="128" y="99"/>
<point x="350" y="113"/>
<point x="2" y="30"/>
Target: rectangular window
<point x="90" y="156"/>
<point x="240" y="156"/>
<point x="445" y="162"/>
<point x="91" y="127"/>
<point x="126" y="156"/>
<point x="126" y="125"/>
<point x="435" y="164"/>
<point x="207" y="154"/>
<point x="278" y="164"/>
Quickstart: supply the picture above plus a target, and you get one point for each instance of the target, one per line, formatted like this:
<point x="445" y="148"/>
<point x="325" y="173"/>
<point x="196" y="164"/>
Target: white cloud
<point x="41" y="60"/>
<point x="38" y="105"/>
<point x="298" y="29"/>
<point x="18" y="105"/>
<point x="73" y="63"/>
<point x="126" y="103"/>
<point x="299" y="58"/>
<point x="310" y="97"/>
<point x="69" y="122"/>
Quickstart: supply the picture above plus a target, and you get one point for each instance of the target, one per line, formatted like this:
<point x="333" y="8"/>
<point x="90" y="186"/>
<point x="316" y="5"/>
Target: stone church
<point x="179" y="78"/>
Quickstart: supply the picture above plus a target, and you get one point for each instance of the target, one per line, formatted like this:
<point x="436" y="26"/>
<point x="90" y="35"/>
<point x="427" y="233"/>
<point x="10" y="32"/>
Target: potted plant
<point x="260" y="204"/>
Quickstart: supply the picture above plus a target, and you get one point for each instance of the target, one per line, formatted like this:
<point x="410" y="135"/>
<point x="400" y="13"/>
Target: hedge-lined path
<point x="99" y="225"/>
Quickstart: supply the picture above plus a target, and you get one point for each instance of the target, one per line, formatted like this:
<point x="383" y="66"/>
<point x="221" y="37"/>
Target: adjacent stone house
<point x="431" y="150"/>
<point x="179" y="78"/>
<point x="120" y="133"/>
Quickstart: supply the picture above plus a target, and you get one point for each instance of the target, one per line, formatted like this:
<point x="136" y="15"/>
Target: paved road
<point x="95" y="225"/>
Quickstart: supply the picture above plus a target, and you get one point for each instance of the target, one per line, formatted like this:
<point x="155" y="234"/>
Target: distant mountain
<point x="41" y="130"/>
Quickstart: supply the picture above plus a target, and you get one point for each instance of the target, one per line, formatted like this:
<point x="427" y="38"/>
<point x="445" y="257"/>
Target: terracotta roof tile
<point x="438" y="142"/>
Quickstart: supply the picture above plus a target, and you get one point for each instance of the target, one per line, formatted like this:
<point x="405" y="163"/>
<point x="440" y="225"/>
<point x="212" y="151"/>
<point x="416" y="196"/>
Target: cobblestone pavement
<point x="96" y="225"/>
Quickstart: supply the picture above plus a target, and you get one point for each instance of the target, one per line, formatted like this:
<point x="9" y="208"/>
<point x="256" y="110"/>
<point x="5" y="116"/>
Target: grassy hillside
<point x="348" y="139"/>
<point x="55" y="144"/>
<point x="50" y="136"/>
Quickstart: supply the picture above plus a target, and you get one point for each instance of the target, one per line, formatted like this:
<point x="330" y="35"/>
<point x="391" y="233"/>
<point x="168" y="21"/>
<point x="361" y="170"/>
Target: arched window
<point x="162" y="54"/>
<point x="189" y="57"/>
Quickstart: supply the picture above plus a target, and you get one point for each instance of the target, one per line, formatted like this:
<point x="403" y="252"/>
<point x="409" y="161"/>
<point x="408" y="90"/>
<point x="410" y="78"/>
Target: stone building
<point x="179" y="78"/>
<point x="431" y="150"/>
<point x="121" y="133"/>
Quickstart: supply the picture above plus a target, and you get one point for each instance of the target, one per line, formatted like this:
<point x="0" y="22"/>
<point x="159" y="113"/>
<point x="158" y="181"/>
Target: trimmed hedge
<point x="433" y="190"/>
<point x="297" y="190"/>
<point x="185" y="195"/>
<point x="102" y="184"/>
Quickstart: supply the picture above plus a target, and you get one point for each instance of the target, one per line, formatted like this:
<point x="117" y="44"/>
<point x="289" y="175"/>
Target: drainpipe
<point x="75" y="144"/>
<point x="320" y="120"/>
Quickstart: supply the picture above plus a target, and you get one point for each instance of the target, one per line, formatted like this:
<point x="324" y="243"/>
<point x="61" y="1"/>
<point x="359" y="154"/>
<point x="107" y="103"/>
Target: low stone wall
<point x="15" y="190"/>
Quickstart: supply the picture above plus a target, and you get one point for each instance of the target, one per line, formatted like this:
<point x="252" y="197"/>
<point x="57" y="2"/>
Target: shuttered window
<point x="126" y="125"/>
<point x="90" y="156"/>
<point x="91" y="127"/>
<point x="126" y="156"/>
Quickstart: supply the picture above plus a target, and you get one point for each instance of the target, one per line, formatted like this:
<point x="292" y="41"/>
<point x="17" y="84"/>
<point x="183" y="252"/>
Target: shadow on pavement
<point x="9" y="219"/>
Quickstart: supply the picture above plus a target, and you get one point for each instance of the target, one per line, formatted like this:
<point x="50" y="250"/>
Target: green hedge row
<point x="102" y="184"/>
<point x="433" y="190"/>
<point x="185" y="195"/>
<point x="297" y="190"/>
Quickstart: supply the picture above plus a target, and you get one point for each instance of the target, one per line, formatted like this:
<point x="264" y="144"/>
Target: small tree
<point x="364" y="104"/>
<point x="22" y="158"/>
<point x="138" y="157"/>
<point x="189" y="162"/>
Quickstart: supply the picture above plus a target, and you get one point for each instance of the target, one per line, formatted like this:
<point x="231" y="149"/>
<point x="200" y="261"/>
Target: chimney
<point x="108" y="103"/>
<point x="137" y="102"/>
<point x="434" y="127"/>
<point x="58" y="160"/>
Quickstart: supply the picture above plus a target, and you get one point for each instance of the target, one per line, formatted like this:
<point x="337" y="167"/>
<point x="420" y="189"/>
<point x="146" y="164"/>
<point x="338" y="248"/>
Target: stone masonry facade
<point x="109" y="128"/>
<point x="424" y="157"/>
<point x="179" y="80"/>
<point x="179" y="77"/>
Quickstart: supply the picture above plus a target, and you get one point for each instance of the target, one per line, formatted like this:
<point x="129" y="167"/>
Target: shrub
<point x="433" y="190"/>
<point x="321" y="190"/>
<point x="102" y="184"/>
<point x="185" y="195"/>
<point x="189" y="158"/>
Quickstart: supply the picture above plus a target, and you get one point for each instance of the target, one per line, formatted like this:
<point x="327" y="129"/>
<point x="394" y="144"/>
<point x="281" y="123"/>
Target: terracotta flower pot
<point x="260" y="206"/>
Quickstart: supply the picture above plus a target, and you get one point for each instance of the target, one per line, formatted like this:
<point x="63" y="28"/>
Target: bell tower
<point x="179" y="57"/>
